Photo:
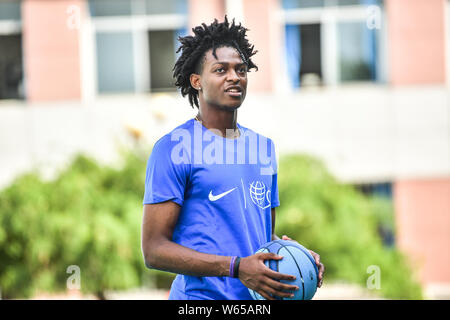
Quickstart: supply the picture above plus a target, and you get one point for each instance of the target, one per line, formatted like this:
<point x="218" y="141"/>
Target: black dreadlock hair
<point x="194" y="48"/>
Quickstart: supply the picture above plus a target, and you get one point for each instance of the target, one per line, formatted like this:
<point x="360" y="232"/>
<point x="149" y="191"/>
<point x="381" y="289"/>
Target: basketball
<point x="297" y="261"/>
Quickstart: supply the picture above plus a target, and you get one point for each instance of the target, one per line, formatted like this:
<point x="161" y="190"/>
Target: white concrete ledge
<point x="363" y="133"/>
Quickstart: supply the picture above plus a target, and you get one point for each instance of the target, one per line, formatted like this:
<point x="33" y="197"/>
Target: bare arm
<point x="161" y="253"/>
<point x="274" y="236"/>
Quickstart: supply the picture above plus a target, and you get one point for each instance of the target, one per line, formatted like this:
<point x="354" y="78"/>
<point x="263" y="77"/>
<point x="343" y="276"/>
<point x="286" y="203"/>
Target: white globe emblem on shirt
<point x="259" y="195"/>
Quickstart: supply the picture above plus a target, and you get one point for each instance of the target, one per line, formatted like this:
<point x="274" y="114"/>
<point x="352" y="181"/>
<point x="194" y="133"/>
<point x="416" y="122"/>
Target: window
<point x="113" y="76"/>
<point x="162" y="58"/>
<point x="10" y="10"/>
<point x="11" y="65"/>
<point x="311" y="65"/>
<point x="330" y="42"/>
<point x="166" y="7"/>
<point x="383" y="189"/>
<point x="384" y="210"/>
<point x="141" y="35"/>
<point x="357" y="52"/>
<point x="290" y="4"/>
<point x="106" y="8"/>
<point x="11" y="73"/>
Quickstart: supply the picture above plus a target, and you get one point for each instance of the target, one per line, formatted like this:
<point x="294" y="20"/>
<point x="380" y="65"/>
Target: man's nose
<point x="233" y="76"/>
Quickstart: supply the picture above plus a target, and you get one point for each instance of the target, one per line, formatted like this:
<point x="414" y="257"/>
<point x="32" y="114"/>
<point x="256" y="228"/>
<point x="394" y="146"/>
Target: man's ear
<point x="195" y="81"/>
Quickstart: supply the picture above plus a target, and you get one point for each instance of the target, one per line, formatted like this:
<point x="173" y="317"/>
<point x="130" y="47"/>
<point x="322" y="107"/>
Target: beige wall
<point x="51" y="50"/>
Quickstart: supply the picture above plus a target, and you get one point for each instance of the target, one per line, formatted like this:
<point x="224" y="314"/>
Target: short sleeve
<point x="165" y="180"/>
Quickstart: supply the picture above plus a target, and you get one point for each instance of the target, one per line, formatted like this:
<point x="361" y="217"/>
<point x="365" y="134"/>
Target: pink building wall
<point x="423" y="226"/>
<point x="259" y="16"/>
<point x="416" y="35"/>
<point x="51" y="50"/>
<point x="201" y="11"/>
<point x="416" y="31"/>
<point x="264" y="33"/>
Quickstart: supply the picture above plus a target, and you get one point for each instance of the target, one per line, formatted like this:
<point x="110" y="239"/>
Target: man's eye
<point x="220" y="70"/>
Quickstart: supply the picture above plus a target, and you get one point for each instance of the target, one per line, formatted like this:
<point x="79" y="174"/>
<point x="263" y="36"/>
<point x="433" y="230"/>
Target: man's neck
<point x="223" y="120"/>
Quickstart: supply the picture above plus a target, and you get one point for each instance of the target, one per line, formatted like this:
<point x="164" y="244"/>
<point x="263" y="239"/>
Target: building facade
<point x="362" y="84"/>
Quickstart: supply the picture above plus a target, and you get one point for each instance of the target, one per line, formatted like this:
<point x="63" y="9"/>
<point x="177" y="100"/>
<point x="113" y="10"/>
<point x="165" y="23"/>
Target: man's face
<point x="223" y="80"/>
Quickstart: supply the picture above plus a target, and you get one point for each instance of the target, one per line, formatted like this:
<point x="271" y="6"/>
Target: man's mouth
<point x="234" y="91"/>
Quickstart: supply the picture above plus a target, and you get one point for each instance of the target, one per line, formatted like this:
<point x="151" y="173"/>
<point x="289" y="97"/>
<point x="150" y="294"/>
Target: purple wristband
<point x="233" y="259"/>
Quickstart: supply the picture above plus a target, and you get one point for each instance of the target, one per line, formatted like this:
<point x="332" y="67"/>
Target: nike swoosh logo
<point x="211" y="197"/>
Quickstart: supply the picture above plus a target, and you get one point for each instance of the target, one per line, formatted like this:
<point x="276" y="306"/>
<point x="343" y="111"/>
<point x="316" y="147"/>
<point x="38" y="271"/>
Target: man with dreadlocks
<point x="204" y="217"/>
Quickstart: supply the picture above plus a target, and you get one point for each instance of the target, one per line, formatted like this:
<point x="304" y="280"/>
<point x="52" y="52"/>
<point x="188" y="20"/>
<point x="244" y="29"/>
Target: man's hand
<point x="254" y="274"/>
<point x="316" y="257"/>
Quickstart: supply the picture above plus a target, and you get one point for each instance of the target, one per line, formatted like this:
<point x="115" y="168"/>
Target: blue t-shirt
<point x="226" y="189"/>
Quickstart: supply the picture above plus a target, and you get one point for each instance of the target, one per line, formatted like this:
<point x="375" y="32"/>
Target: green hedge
<point x="341" y="224"/>
<point x="90" y="216"/>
